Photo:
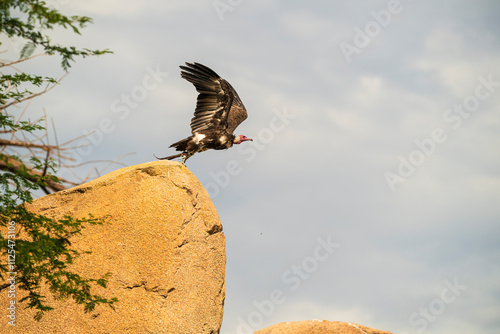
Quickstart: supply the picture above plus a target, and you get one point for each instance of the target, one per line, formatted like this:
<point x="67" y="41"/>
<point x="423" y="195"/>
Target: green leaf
<point x="28" y="50"/>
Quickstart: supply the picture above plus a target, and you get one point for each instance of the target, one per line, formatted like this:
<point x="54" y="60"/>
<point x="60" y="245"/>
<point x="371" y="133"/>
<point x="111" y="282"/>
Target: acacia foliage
<point x="43" y="254"/>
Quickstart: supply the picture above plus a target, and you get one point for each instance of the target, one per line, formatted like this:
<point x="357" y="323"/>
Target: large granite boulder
<point x="319" y="327"/>
<point x="163" y="244"/>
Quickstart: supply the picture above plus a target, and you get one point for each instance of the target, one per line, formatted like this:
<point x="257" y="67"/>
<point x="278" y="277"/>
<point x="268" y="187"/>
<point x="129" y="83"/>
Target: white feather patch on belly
<point x="198" y="137"/>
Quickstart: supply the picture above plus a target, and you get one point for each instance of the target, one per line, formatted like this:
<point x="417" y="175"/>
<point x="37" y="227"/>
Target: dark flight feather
<point x="218" y="105"/>
<point x="218" y="113"/>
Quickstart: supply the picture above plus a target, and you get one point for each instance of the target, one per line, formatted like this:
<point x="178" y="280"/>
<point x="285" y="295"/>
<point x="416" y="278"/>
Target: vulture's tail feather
<point x="181" y="145"/>
<point x="170" y="157"/>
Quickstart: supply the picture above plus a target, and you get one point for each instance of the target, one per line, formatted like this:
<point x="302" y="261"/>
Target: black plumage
<point x="218" y="113"/>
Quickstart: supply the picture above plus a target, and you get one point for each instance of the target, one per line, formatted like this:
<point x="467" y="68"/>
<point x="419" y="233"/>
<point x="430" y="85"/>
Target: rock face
<point x="319" y="327"/>
<point x="163" y="245"/>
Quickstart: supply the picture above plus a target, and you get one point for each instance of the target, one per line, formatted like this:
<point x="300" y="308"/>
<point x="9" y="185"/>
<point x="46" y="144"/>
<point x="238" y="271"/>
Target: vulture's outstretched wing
<point x="219" y="106"/>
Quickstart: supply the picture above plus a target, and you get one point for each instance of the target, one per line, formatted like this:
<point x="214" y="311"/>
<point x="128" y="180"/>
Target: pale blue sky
<point x="417" y="104"/>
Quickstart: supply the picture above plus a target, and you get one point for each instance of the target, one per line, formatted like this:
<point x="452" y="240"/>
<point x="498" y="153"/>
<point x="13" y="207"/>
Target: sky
<point x="370" y="193"/>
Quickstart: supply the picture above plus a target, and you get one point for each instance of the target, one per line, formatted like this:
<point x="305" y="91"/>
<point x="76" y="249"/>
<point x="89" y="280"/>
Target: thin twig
<point x="22" y="60"/>
<point x="116" y="161"/>
<point x="90" y="173"/>
<point x="76" y="138"/>
<point x="55" y="136"/>
<point x="27" y="144"/>
<point x="47" y="88"/>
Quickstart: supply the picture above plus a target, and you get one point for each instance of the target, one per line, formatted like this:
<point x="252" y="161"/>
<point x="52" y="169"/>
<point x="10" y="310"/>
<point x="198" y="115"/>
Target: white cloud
<point x="456" y="60"/>
<point x="307" y="25"/>
<point x="118" y="8"/>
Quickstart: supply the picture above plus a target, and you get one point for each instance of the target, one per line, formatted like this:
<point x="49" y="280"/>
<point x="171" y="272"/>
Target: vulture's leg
<point x="184" y="158"/>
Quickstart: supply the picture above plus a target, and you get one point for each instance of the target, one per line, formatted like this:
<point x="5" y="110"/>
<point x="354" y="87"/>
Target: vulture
<point x="218" y="113"/>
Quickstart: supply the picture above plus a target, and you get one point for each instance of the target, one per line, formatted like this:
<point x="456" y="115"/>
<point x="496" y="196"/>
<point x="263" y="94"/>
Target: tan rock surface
<point x="164" y="245"/>
<point x="319" y="327"/>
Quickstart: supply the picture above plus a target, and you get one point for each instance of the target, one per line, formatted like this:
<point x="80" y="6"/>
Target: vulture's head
<point x="240" y="139"/>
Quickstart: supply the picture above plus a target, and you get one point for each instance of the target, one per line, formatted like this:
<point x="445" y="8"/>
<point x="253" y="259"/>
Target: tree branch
<point x="2" y="64"/>
<point x="49" y="87"/>
<point x="26" y="144"/>
<point x="12" y="165"/>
